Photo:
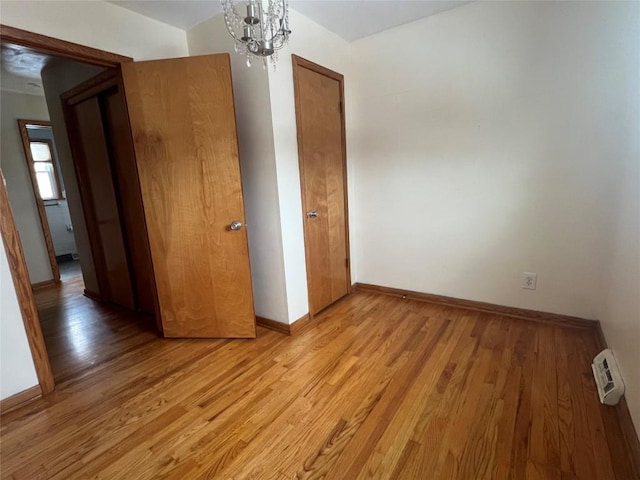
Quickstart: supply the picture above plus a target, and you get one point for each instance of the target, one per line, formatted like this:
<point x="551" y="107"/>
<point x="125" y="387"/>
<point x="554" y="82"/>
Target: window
<point x="45" y="169"/>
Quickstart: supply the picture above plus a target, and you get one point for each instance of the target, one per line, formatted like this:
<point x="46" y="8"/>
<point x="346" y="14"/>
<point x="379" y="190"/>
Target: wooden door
<point x="100" y="138"/>
<point x="321" y="148"/>
<point x="183" y="123"/>
<point x="99" y="202"/>
<point x="118" y="134"/>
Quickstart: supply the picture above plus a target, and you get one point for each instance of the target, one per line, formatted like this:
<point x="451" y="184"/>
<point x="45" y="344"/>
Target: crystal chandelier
<point x="262" y="31"/>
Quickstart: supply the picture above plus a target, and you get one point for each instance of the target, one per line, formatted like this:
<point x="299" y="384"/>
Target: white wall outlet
<point x="529" y="280"/>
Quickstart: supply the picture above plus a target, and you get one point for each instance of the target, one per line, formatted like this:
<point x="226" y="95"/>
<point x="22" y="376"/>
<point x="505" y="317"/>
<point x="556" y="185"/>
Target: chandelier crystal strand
<point x="261" y="30"/>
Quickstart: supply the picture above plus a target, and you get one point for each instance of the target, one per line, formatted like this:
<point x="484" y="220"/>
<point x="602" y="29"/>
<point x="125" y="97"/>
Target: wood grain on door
<point x="100" y="205"/>
<point x="184" y="131"/>
<point x="321" y="146"/>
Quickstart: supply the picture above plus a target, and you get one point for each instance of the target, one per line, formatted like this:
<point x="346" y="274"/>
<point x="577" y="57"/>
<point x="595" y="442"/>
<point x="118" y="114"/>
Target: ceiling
<point x="350" y="19"/>
<point x="353" y="20"/>
<point x="23" y="61"/>
<point x="21" y="69"/>
<point x="183" y="14"/>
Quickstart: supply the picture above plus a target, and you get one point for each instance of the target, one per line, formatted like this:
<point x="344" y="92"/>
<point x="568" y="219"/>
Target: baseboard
<point x="46" y="283"/>
<point x="301" y="324"/>
<point x="92" y="295"/>
<point x="18" y="399"/>
<point x="273" y="325"/>
<point x="602" y="342"/>
<point x="288" y="329"/>
<point x="545" y="317"/>
<point x="624" y="417"/>
<point x="629" y="433"/>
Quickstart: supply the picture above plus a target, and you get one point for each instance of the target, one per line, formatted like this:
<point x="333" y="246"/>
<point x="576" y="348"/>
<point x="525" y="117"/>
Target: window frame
<point x="54" y="168"/>
<point x="40" y="204"/>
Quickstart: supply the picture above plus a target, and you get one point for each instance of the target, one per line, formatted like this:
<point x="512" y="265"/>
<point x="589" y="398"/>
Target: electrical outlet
<point x="529" y="280"/>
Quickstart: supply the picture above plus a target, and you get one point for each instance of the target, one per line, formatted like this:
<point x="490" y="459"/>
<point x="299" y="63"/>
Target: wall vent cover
<point x="608" y="378"/>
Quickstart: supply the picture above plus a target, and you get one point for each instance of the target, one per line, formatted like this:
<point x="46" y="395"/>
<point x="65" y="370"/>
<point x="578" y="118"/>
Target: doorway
<point x="43" y="164"/>
<point x="319" y="100"/>
<point x="105" y="166"/>
<point x="55" y="314"/>
<point x="182" y="132"/>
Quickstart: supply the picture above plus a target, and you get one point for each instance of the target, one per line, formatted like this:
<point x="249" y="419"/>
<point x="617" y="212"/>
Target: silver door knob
<point x="235" y="225"/>
<point x="313" y="214"/>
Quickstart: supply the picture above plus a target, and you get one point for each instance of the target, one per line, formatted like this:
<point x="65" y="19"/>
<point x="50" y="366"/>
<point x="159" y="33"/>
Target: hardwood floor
<point x="81" y="333"/>
<point x="380" y="387"/>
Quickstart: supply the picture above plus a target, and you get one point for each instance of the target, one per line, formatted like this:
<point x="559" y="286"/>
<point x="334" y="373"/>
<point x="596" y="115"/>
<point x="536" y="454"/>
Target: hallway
<point x="69" y="269"/>
<point x="81" y="333"/>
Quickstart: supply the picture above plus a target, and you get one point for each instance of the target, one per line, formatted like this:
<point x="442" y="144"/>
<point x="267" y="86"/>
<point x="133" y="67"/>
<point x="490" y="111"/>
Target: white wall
<point x="317" y="44"/>
<point x="257" y="163"/>
<point x="620" y="310"/>
<point x="509" y="143"/>
<point x="17" y="372"/>
<point x="61" y="227"/>
<point x="19" y="188"/>
<point x="97" y="24"/>
<point x="486" y="154"/>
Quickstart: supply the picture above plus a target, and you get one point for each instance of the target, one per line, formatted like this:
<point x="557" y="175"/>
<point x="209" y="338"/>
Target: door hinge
<point x="347" y="264"/>
<point x="340" y="107"/>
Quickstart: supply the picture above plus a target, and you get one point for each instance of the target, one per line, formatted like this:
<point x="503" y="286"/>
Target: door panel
<point x="118" y="133"/>
<point x="95" y="178"/>
<point x="100" y="137"/>
<point x="184" y="132"/>
<point x="321" y="152"/>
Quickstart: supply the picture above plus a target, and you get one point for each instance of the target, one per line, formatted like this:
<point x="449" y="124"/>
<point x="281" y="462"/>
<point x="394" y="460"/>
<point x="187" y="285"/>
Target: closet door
<point x="322" y="156"/>
<point x="100" y="138"/>
<point x="99" y="200"/>
<point x="183" y="125"/>
<point x="118" y="135"/>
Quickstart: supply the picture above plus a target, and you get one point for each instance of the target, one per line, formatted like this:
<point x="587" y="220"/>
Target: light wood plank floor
<point x="81" y="333"/>
<point x="379" y="387"/>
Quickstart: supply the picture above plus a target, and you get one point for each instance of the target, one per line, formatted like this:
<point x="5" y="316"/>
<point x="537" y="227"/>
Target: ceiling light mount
<point x="261" y="31"/>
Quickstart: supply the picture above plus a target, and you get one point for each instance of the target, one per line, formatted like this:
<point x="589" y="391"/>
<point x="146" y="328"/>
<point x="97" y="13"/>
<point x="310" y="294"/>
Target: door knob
<point x="235" y="225"/>
<point x="313" y="214"/>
